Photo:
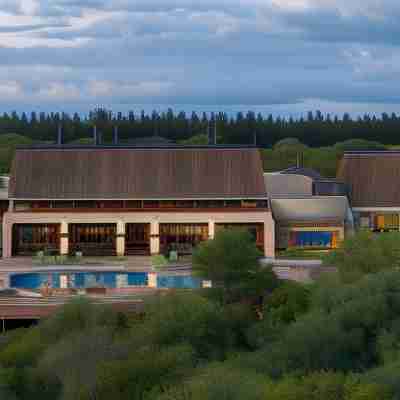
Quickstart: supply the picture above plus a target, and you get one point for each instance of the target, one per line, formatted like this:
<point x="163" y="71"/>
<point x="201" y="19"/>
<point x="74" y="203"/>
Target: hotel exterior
<point x="374" y="190"/>
<point x="121" y="200"/>
<point x="114" y="200"/>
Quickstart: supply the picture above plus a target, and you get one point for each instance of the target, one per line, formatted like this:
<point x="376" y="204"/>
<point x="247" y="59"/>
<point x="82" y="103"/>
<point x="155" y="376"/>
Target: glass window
<point x="185" y="204"/>
<point x="151" y="204"/>
<point x="233" y="203"/>
<point x="249" y="204"/>
<point x="167" y="204"/>
<point x="62" y="204"/>
<point x="313" y="239"/>
<point x="133" y="204"/>
<point x="22" y="205"/>
<point x="86" y="204"/>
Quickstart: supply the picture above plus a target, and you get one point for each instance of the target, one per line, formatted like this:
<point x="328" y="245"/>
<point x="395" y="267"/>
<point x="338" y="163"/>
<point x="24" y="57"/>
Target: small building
<point x="132" y="200"/>
<point x="374" y="192"/>
<point x="310" y="212"/>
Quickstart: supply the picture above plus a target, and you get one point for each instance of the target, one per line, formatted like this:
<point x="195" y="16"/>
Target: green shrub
<point x="365" y="253"/>
<point x="159" y="260"/>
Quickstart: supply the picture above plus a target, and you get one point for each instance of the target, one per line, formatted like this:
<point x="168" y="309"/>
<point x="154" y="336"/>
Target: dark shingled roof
<point x="311" y="173"/>
<point x="146" y="173"/>
<point x="373" y="178"/>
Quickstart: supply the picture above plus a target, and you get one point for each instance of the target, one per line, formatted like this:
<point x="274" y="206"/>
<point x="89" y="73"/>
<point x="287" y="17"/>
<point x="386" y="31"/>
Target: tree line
<point x="315" y="129"/>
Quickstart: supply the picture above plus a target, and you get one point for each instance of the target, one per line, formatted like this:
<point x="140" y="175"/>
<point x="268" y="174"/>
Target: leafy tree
<point x="219" y="382"/>
<point x="359" y="144"/>
<point x="231" y="261"/>
<point x="365" y="253"/>
<point x="288" y="302"/>
<point x="188" y="318"/>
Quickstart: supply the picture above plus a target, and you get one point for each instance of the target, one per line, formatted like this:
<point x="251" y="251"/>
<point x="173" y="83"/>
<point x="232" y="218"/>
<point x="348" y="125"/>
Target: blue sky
<point x="279" y="56"/>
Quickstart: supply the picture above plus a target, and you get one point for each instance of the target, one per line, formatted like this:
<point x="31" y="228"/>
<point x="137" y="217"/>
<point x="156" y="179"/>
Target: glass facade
<point x="182" y="237"/>
<point x="28" y="239"/>
<point x="93" y="239"/>
<point x="314" y="239"/>
<point x="137" y="239"/>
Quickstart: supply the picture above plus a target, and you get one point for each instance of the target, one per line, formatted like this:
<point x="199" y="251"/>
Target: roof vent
<point x="115" y="135"/>
<point x="212" y="133"/>
<point x="95" y="135"/>
<point x="60" y="136"/>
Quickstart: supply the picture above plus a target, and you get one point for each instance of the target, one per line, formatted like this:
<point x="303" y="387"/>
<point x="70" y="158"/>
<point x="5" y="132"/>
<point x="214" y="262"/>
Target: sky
<point x="273" y="56"/>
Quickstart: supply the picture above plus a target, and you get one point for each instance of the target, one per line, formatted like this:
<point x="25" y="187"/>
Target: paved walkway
<point x="128" y="263"/>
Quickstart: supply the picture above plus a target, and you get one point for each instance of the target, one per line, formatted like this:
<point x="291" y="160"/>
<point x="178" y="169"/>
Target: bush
<point x="159" y="261"/>
<point x="288" y="302"/>
<point x="217" y="382"/>
<point x="188" y="318"/>
<point x="365" y="253"/>
<point x="231" y="261"/>
<point x="145" y="372"/>
<point x="337" y="334"/>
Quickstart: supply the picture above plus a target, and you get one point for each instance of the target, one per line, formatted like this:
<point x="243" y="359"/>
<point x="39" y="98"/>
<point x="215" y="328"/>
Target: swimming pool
<point x="86" y="279"/>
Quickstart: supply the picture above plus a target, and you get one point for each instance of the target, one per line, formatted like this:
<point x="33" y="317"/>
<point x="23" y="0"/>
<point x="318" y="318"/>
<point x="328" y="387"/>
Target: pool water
<point x="81" y="280"/>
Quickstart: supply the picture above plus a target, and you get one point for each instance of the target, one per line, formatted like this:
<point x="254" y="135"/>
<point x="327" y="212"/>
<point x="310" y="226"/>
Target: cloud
<point x="199" y="52"/>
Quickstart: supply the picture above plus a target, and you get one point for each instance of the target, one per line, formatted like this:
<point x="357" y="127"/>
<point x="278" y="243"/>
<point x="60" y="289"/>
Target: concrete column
<point x="7" y="238"/>
<point x="211" y="229"/>
<point x="154" y="237"/>
<point x="64" y="241"/>
<point x="120" y="238"/>
<point x="11" y="206"/>
<point x="269" y="237"/>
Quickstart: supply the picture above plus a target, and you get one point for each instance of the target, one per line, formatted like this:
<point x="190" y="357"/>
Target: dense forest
<point x="316" y="130"/>
<point x="335" y="339"/>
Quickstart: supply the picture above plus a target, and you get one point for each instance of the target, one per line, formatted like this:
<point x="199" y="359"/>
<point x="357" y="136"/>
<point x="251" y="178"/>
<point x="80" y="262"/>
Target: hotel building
<point x="120" y="200"/>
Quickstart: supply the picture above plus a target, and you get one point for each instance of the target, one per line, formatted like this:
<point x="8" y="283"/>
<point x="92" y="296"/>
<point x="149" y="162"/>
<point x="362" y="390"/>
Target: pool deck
<point x="299" y="270"/>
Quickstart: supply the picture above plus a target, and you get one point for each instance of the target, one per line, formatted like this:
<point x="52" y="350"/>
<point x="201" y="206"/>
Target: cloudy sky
<point x="275" y="55"/>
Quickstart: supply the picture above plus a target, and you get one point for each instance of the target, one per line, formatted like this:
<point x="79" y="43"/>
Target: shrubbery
<point x="332" y="340"/>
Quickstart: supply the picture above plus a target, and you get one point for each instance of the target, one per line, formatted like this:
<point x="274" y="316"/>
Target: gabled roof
<point x="373" y="178"/>
<point x="136" y="173"/>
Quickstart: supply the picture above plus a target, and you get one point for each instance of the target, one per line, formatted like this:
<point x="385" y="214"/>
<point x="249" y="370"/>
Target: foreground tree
<point x="232" y="262"/>
<point x="365" y="253"/>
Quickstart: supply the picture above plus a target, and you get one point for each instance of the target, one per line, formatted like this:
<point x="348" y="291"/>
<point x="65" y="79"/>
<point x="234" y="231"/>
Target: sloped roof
<point x="288" y="185"/>
<point x="136" y="173"/>
<point x="311" y="173"/>
<point x="373" y="178"/>
<point x="310" y="209"/>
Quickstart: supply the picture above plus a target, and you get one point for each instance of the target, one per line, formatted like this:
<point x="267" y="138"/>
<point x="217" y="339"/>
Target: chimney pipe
<point x="95" y="137"/>
<point x="60" y="138"/>
<point x="212" y="133"/>
<point x="115" y="135"/>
